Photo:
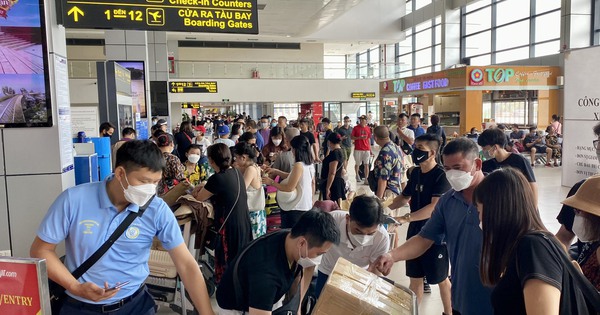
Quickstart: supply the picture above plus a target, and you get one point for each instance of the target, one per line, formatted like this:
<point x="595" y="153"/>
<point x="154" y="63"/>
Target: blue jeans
<point x="321" y="280"/>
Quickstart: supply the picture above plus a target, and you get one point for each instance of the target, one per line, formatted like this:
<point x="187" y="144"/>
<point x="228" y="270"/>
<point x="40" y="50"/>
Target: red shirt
<point x="362" y="144"/>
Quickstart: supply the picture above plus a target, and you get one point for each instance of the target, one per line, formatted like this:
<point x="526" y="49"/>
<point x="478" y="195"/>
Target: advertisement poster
<point x="125" y="117"/>
<point x="61" y="77"/>
<point x="581" y="114"/>
<point x="24" y="100"/>
<point x="138" y="86"/>
<point x="20" y="287"/>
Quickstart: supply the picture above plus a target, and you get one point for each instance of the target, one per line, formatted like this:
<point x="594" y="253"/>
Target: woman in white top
<point x="295" y="192"/>
<point x="245" y="155"/>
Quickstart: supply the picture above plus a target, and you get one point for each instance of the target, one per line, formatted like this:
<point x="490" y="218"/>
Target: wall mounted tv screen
<point x="24" y="78"/>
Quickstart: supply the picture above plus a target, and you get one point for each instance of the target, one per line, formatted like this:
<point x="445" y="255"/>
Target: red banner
<point x="19" y="289"/>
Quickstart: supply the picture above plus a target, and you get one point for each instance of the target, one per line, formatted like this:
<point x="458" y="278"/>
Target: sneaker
<point x="358" y="179"/>
<point x="366" y="182"/>
<point x="426" y="287"/>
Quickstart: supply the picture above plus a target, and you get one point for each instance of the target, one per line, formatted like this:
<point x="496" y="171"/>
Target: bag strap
<point x="237" y="286"/>
<point x="236" y="200"/>
<point x="588" y="290"/>
<point x="88" y="263"/>
<point x="187" y="136"/>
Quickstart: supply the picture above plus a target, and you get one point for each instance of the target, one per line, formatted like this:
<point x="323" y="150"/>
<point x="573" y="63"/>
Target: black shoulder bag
<point x="213" y="236"/>
<point x="582" y="293"/>
<point x="291" y="304"/>
<point x="57" y="292"/>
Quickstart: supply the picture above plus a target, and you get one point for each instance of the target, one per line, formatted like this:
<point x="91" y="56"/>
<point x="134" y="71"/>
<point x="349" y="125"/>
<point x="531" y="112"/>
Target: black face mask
<point x="419" y="156"/>
<point x="106" y="135"/>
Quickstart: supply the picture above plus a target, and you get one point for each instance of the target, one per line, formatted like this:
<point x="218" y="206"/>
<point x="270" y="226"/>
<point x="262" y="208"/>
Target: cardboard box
<point x="353" y="290"/>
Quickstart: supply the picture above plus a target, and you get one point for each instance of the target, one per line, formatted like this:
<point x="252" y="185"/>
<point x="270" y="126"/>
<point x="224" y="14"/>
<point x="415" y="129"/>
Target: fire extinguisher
<point x="171" y="64"/>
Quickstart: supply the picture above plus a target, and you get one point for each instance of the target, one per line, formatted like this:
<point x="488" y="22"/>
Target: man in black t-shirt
<point x="567" y="214"/>
<point x="426" y="184"/>
<point x="493" y="141"/>
<point x="270" y="265"/>
<point x="304" y="131"/>
<point x="346" y="132"/>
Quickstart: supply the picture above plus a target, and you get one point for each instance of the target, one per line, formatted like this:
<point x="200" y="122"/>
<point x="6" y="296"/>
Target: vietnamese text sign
<point x="193" y="87"/>
<point x="190" y="105"/>
<point x="23" y="287"/>
<point x="363" y="94"/>
<point x="212" y="16"/>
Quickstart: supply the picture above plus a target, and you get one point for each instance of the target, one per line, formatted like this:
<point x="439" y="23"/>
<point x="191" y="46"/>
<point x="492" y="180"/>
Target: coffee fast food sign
<point x="211" y="16"/>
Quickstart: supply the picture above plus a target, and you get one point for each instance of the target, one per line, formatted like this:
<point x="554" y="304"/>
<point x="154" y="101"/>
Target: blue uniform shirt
<point x="457" y="221"/>
<point x="260" y="141"/>
<point x="85" y="217"/>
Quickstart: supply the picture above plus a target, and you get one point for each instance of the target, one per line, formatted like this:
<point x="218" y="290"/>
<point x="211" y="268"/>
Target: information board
<point x="193" y="87"/>
<point x="363" y="94"/>
<point x="190" y="105"/>
<point x="211" y="16"/>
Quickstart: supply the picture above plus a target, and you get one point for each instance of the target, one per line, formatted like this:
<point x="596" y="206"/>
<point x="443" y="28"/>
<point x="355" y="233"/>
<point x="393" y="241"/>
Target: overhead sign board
<point x="210" y="16"/>
<point x="190" y="105"/>
<point x="193" y="87"/>
<point x="363" y="94"/>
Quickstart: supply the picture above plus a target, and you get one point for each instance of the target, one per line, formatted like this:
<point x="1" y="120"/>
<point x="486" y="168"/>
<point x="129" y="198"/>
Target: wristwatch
<point x="407" y="217"/>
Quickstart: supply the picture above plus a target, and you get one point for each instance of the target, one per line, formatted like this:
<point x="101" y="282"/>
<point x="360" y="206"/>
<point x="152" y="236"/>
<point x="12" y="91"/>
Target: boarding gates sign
<point x="23" y="286"/>
<point x="209" y="16"/>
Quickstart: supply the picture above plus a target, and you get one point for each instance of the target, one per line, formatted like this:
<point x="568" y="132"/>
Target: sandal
<point x="548" y="165"/>
<point x="555" y="164"/>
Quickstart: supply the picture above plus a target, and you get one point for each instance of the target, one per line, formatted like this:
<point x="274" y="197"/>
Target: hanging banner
<point x="23" y="286"/>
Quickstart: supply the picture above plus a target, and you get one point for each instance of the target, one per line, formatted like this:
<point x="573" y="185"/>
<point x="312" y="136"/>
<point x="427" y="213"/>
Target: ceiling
<point x="344" y="26"/>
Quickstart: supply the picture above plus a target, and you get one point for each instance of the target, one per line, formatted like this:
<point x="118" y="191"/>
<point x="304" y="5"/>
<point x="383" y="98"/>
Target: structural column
<point x="576" y="24"/>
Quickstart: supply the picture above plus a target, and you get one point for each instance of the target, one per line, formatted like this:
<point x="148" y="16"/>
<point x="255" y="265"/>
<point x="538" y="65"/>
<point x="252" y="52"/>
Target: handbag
<point x="583" y="294"/>
<point x="58" y="293"/>
<point x="213" y="236"/>
<point x="291" y="303"/>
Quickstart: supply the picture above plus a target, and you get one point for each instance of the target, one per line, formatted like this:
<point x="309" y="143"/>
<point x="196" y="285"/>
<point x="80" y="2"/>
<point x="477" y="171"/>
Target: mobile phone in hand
<point x="118" y="286"/>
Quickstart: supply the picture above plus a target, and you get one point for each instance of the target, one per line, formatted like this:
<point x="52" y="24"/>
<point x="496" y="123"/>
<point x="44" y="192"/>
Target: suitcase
<point x="271" y="205"/>
<point x="273" y="222"/>
<point x="161" y="265"/>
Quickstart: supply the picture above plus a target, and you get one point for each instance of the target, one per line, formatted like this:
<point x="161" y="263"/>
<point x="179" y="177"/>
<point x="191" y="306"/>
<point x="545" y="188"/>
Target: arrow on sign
<point x="75" y="11"/>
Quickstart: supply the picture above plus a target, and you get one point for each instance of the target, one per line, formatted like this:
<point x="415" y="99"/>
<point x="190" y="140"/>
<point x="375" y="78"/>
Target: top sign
<point x="363" y="94"/>
<point x="211" y="16"/>
<point x="193" y="86"/>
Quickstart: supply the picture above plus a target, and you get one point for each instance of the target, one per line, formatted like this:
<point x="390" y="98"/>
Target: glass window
<point x="547" y="26"/>
<point x="423" y="58"/>
<point x="512" y="35"/>
<point x="405" y="46"/>
<point x="510" y="112"/>
<point x="423" y="71"/>
<point x="546" y="49"/>
<point x="542" y="6"/>
<point x="423" y="39"/>
<point x="406" y="61"/>
<point x="478" y="44"/>
<point x="421" y="3"/>
<point x="511" y="10"/>
<point x="423" y="26"/>
<point x="405" y="74"/>
<point x="438" y="34"/>
<point x="287" y="110"/>
<point x="478" y="4"/>
<point x="409" y="5"/>
<point x="487" y="110"/>
<point x="438" y="54"/>
<point x="484" y="60"/>
<point x="374" y="55"/>
<point x="510" y="55"/>
<point x="479" y="21"/>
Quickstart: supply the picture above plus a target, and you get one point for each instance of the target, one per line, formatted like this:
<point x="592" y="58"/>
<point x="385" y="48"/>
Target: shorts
<point x="433" y="264"/>
<point x="361" y="157"/>
<point x="347" y="152"/>
<point x="408" y="163"/>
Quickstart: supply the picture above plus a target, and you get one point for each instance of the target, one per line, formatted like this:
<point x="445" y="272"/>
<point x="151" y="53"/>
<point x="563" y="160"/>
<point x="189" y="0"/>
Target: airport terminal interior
<point x="81" y="79"/>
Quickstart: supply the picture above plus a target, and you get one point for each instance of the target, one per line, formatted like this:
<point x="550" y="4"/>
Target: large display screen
<point x="24" y="78"/>
<point x="138" y="86"/>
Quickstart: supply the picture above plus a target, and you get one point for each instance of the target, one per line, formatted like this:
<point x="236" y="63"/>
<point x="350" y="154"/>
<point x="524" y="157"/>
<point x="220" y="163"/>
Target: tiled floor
<point x="551" y="193"/>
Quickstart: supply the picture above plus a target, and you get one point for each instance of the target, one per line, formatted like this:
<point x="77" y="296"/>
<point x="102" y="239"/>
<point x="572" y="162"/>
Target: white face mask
<point x="459" y="180"/>
<point x="140" y="194"/>
<point x="194" y="158"/>
<point x="307" y="262"/>
<point x="277" y="142"/>
<point x="264" y="125"/>
<point x="362" y="240"/>
<point x="579" y="229"/>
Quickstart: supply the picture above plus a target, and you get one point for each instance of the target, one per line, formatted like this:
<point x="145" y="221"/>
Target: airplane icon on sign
<point x="155" y="17"/>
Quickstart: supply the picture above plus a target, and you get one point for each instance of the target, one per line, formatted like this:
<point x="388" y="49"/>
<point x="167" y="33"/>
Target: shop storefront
<point x="470" y="97"/>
